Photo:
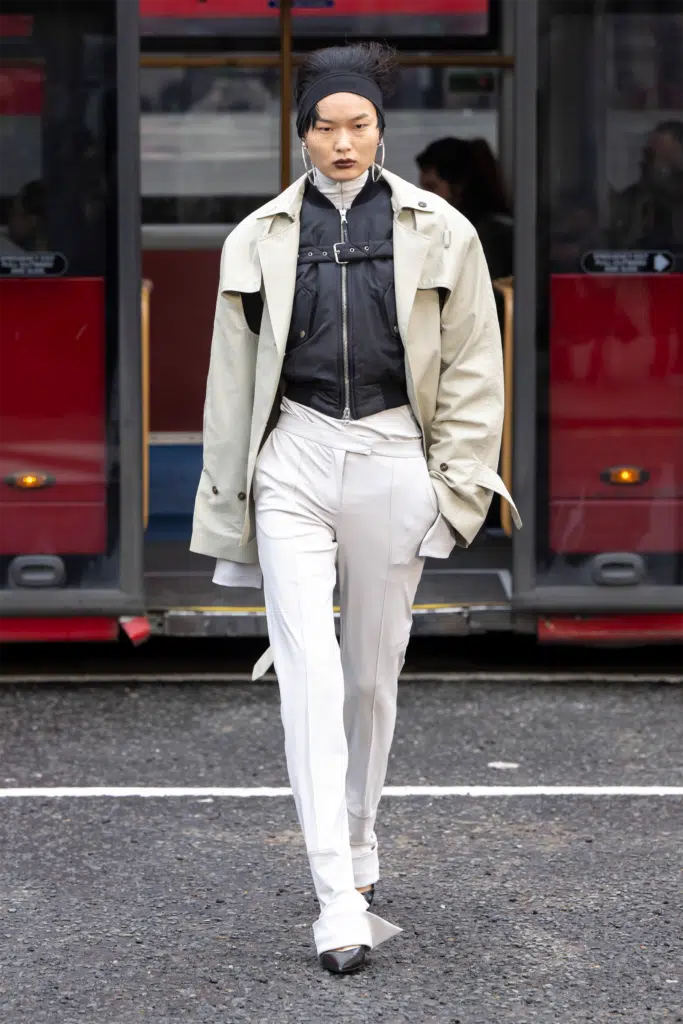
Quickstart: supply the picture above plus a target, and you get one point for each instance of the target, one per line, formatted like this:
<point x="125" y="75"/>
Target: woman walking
<point x="352" y="426"/>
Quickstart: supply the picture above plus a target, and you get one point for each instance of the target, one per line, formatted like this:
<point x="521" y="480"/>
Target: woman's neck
<point x="341" y="193"/>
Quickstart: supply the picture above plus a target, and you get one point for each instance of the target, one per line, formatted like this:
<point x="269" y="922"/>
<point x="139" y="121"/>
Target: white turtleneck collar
<point x="341" y="193"/>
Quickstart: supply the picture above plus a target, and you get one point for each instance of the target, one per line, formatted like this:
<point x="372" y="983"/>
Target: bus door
<point x="598" y="448"/>
<point x="218" y="141"/>
<point x="70" y="393"/>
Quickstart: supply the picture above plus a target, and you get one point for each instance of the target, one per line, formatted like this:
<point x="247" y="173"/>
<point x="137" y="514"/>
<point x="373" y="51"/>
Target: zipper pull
<point x="342" y="215"/>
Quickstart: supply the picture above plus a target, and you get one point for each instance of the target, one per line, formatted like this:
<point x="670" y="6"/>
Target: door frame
<point x="126" y="598"/>
<point x="527" y="596"/>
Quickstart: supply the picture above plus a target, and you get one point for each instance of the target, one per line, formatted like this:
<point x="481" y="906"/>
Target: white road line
<point x="280" y="791"/>
<point x="406" y="677"/>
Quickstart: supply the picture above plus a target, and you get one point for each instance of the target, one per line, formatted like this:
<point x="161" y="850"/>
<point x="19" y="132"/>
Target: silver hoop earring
<point x="378" y="168"/>
<point x="310" y="171"/>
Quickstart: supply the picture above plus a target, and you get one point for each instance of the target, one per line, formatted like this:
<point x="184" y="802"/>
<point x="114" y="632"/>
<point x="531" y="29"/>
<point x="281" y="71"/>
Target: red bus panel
<point x="184" y="298"/>
<point x="336" y="19"/>
<point x="21" y="91"/>
<point x="341" y="8"/>
<point x="616" y="399"/>
<point x="610" y="629"/>
<point x="54" y="630"/>
<point x="52" y="416"/>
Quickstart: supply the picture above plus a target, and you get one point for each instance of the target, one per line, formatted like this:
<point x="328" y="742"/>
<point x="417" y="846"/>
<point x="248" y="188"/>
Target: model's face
<point x="343" y="142"/>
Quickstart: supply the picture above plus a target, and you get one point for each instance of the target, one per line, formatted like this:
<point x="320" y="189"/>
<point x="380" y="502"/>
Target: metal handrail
<point x="146" y="291"/>
<point x="504" y="62"/>
<point x="505" y="285"/>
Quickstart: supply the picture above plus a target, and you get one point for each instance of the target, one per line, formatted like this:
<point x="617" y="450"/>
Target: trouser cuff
<point x="346" y="921"/>
<point x="364" y="851"/>
<point x="365" y="866"/>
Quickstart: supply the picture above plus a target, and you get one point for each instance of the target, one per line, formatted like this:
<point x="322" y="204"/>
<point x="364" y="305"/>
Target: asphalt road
<point x="515" y="909"/>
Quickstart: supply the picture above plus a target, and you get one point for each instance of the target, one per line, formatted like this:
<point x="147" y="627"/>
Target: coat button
<point x="422" y="205"/>
<point x="443" y="467"/>
<point x="242" y="496"/>
<point x="215" y="490"/>
<point x="302" y="334"/>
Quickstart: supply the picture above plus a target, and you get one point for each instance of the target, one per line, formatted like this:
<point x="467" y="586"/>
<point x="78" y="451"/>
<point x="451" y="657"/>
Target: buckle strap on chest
<point x="347" y="252"/>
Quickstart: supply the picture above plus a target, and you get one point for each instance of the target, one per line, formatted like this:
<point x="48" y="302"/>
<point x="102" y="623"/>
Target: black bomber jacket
<point x="344" y="355"/>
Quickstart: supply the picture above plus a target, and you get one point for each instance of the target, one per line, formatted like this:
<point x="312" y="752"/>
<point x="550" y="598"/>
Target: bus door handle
<point x="145" y="362"/>
<point x="505" y="285"/>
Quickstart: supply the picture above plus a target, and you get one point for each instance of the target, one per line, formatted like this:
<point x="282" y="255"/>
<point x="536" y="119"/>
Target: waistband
<point x="390" y="395"/>
<point x="331" y="437"/>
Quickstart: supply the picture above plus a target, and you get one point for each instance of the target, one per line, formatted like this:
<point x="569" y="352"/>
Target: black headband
<point x="338" y="81"/>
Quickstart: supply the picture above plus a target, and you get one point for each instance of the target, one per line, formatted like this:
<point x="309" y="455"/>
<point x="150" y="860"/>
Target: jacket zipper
<point x="346" y="415"/>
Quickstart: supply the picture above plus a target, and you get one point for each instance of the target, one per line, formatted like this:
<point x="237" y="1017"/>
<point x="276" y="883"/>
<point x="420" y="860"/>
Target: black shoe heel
<point x="369" y="895"/>
<point x="343" y="961"/>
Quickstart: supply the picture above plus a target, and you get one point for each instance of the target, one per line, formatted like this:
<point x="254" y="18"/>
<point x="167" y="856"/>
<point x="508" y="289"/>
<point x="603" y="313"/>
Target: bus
<point x="135" y="135"/>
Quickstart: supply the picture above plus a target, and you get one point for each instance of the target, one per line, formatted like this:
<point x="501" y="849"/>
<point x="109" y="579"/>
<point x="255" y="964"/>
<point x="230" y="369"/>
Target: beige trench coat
<point x="453" y="362"/>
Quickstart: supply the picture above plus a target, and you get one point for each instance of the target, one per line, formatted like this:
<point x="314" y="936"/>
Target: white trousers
<point x="341" y="496"/>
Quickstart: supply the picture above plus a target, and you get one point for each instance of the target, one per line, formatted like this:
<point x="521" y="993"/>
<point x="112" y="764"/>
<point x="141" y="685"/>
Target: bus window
<point x="610" y="261"/>
<point x="209" y="143"/>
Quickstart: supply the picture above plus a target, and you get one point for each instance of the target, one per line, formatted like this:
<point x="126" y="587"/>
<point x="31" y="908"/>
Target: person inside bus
<point x="649" y="213"/>
<point x="466" y="174"/>
<point x="574" y="228"/>
<point x="26" y="223"/>
<point x="352" y="422"/>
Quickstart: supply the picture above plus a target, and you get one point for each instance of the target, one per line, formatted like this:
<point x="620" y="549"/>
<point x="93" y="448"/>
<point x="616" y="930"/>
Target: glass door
<point x="599" y="306"/>
<point x="70" y="458"/>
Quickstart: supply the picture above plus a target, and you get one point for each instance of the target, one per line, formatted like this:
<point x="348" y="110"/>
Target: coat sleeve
<point x="237" y="574"/>
<point x="219" y="511"/>
<point x="468" y="423"/>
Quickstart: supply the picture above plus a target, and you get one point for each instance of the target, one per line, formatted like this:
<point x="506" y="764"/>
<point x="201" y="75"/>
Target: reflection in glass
<point x="210" y="137"/>
<point x="209" y="143"/>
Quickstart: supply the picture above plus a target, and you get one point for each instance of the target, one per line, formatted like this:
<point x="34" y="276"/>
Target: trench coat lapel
<point x="410" y="253"/>
<point x="278" y="251"/>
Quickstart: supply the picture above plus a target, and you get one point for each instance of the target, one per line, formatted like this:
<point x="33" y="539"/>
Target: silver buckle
<point x="336" y="255"/>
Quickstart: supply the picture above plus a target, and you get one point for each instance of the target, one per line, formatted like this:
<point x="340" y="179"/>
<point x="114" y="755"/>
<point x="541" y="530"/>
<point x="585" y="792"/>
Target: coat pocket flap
<point x="487" y="477"/>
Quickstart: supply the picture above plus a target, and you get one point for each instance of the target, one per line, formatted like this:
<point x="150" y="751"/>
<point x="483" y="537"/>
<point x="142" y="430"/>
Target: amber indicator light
<point x="624" y="475"/>
<point x="29" y="481"/>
